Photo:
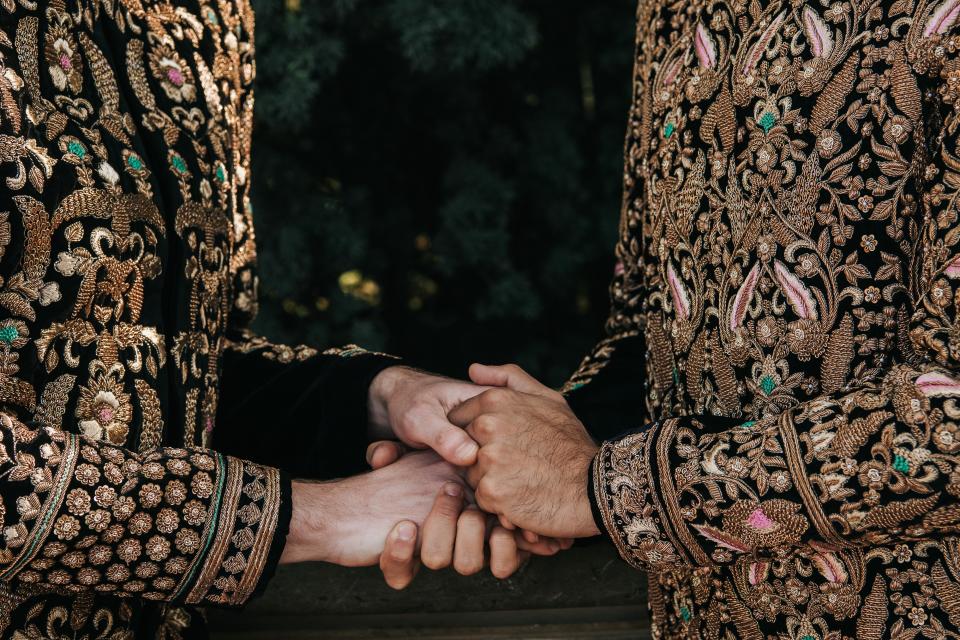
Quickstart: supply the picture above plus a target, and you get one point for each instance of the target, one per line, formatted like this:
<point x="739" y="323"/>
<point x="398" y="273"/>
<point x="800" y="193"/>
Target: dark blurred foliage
<point x="441" y="179"/>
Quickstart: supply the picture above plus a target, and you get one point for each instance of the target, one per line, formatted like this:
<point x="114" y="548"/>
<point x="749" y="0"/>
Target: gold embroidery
<point x="190" y="418"/>
<point x="211" y="566"/>
<point x="151" y="434"/>
<point x="788" y="253"/>
<point x="84" y="314"/>
<point x="53" y="402"/>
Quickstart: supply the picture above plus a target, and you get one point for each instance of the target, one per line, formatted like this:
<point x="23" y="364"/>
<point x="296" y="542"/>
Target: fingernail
<point x="554" y="547"/>
<point x="406" y="531"/>
<point x="467" y="450"/>
<point x="453" y="490"/>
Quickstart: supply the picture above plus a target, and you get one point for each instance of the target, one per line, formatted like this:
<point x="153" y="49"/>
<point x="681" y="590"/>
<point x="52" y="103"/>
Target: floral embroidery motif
<point x="62" y="52"/>
<point x="173" y="74"/>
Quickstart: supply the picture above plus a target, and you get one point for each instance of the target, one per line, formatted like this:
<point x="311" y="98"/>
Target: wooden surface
<point x="587" y="592"/>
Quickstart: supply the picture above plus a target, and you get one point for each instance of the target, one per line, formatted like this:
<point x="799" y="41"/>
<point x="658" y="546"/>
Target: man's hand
<point x="452" y="536"/>
<point x="456" y="536"/>
<point x="412" y="406"/>
<point x="534" y="454"/>
<point x="347" y="521"/>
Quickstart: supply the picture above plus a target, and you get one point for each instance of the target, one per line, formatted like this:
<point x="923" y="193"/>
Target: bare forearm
<point x="313" y="513"/>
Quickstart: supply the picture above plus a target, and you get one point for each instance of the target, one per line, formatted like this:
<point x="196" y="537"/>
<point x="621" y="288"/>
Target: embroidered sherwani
<point x="128" y="382"/>
<point x="785" y="334"/>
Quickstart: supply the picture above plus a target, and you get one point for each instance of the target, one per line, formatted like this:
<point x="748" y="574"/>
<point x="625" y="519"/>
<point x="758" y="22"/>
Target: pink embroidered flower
<point x="173" y="74"/>
<point x="105" y="411"/>
<point x="765" y="525"/>
<point x="63" y="60"/>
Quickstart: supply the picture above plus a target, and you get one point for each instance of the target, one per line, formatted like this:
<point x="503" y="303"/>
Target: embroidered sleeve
<point x="87" y="513"/>
<point x="874" y="463"/>
<point x="185" y="525"/>
<point x="869" y="465"/>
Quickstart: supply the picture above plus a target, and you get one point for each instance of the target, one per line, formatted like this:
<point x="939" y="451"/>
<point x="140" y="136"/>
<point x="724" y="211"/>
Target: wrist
<point x="312" y="522"/>
<point x="588" y="525"/>
<point x="382" y="388"/>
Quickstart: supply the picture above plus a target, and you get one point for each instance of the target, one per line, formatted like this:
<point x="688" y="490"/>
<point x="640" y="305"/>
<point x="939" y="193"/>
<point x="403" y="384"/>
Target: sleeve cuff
<point x="279" y="536"/>
<point x="592" y="487"/>
<point x="243" y="527"/>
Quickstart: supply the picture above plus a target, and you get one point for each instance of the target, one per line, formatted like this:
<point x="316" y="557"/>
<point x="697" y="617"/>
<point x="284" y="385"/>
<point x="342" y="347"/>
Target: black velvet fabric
<point x="308" y="418"/>
<point x="613" y="400"/>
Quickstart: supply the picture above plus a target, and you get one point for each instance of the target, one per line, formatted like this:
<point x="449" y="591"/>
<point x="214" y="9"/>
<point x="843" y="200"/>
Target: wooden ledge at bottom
<point x="608" y="623"/>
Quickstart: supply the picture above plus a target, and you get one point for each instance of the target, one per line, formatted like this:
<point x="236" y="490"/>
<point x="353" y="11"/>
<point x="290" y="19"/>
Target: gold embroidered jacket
<point x="785" y="322"/>
<point x="126" y="282"/>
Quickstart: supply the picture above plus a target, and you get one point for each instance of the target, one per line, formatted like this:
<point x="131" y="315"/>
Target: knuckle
<point x="414" y="416"/>
<point x="440" y="438"/>
<point x="493" y="490"/>
<point x="494" y="397"/>
<point x="483" y="489"/>
<point x="495" y="451"/>
<point x="407" y="420"/>
<point x="485" y="425"/>
<point x="485" y="502"/>
<point x="503" y="394"/>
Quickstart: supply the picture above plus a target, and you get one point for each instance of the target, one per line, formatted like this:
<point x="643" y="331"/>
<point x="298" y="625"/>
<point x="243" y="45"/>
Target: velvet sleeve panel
<point x="296" y="408"/>
<point x="608" y="390"/>
<point x="610" y="397"/>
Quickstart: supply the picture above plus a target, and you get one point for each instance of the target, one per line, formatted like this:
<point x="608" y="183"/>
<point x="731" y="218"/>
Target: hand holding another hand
<point x="375" y="517"/>
<point x="534" y="454"/>
<point x="346" y="521"/>
<point x="412" y="406"/>
<point x="455" y="533"/>
<point x="529" y="456"/>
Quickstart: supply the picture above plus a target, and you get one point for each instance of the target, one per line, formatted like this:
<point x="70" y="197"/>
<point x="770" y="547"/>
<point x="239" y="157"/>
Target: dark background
<point x="440" y="179"/>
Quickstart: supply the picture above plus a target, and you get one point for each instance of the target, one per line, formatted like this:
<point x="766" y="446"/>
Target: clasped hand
<point x="511" y="482"/>
<point x="529" y="470"/>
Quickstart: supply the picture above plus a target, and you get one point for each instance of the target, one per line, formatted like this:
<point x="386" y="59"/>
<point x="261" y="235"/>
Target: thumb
<point x="510" y="376"/>
<point x="398" y="562"/>
<point x="383" y="453"/>
<point x="452" y="443"/>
